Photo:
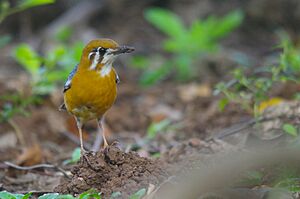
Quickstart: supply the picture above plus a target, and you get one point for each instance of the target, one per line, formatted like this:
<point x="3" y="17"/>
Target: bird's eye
<point x="101" y="49"/>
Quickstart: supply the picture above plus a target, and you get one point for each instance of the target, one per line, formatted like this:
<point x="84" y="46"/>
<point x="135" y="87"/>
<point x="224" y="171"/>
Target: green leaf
<point x="227" y="24"/>
<point x="290" y="129"/>
<point x="4" y="5"/>
<point x="140" y="62"/>
<point x="157" y="127"/>
<point x="26" y="196"/>
<point x="156" y="155"/>
<point x="223" y="103"/>
<point x="4" y="9"/>
<point x="56" y="196"/>
<point x="14" y="104"/>
<point x="139" y="194"/>
<point x="166" y="21"/>
<point x="152" y="76"/>
<point x="28" y="58"/>
<point x="183" y="65"/>
<point x="64" y="34"/>
<point x="31" y="3"/>
<point x="72" y="55"/>
<point x="200" y="37"/>
<point x="7" y="195"/>
<point x="68" y="196"/>
<point x="90" y="194"/>
<point x="54" y="56"/>
<point x="43" y="88"/>
<point x="252" y="178"/>
<point x="49" y="196"/>
<point x="292" y="184"/>
<point x="75" y="156"/>
<point x="56" y="76"/>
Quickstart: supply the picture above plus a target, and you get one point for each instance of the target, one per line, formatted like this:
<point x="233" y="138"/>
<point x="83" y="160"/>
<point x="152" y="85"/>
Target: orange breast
<point x="91" y="95"/>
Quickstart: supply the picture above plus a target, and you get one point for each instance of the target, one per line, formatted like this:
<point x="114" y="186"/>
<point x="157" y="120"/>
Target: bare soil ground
<point x="113" y="171"/>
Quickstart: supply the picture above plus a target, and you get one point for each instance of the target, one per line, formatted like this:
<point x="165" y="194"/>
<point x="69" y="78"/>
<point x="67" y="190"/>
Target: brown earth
<point x="113" y="171"/>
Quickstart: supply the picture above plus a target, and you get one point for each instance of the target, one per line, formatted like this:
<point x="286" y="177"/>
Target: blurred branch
<point x="222" y="172"/>
<point x="6" y="9"/>
<point x="74" y="16"/>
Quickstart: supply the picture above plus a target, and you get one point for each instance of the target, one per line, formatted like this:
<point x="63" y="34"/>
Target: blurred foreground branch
<point x="223" y="172"/>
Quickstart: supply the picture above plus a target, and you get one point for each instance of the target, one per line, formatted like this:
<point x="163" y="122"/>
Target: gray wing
<point x="68" y="83"/>
<point x="117" y="78"/>
<point x="67" y="86"/>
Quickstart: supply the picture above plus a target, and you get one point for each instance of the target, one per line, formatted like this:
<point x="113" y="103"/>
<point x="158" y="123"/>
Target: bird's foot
<point x="105" y="149"/>
<point x="85" y="156"/>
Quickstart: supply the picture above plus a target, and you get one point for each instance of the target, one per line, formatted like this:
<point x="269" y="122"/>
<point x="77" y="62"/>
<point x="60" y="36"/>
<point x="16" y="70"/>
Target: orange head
<point x="100" y="52"/>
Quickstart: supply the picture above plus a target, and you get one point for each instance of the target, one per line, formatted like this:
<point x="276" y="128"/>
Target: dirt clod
<point x="113" y="171"/>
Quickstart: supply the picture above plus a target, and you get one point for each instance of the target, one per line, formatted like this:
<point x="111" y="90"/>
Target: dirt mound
<point x="113" y="171"/>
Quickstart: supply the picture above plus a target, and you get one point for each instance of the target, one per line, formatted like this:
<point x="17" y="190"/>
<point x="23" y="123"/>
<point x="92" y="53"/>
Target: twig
<point x="235" y="129"/>
<point x="18" y="131"/>
<point x="238" y="128"/>
<point x="37" y="166"/>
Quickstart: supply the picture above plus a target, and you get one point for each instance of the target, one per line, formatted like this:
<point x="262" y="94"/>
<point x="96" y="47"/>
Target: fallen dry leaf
<point x="163" y="111"/>
<point x="191" y="91"/>
<point x="269" y="103"/>
<point x="30" y="156"/>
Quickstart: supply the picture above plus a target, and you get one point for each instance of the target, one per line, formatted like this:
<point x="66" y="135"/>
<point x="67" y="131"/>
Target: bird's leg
<point x="101" y="131"/>
<point x="80" y="126"/>
<point x="82" y="151"/>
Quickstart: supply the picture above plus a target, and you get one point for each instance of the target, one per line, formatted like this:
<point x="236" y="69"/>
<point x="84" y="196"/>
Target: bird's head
<point x="102" y="52"/>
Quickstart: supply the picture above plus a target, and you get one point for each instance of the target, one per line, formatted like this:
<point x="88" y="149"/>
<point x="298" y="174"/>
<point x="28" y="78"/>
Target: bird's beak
<point x="122" y="49"/>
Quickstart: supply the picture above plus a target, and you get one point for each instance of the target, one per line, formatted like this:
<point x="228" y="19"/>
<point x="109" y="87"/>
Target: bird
<point x="91" y="87"/>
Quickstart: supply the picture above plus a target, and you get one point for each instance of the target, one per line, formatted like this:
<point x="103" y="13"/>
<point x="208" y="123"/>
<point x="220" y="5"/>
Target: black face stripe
<point x="102" y="51"/>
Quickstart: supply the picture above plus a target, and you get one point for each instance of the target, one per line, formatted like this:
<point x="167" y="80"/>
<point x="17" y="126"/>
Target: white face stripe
<point x="95" y="60"/>
<point x="92" y="53"/>
<point x="108" y="57"/>
<point x="107" y="61"/>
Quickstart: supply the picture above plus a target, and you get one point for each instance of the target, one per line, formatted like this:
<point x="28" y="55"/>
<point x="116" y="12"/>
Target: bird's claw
<point x="85" y="156"/>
